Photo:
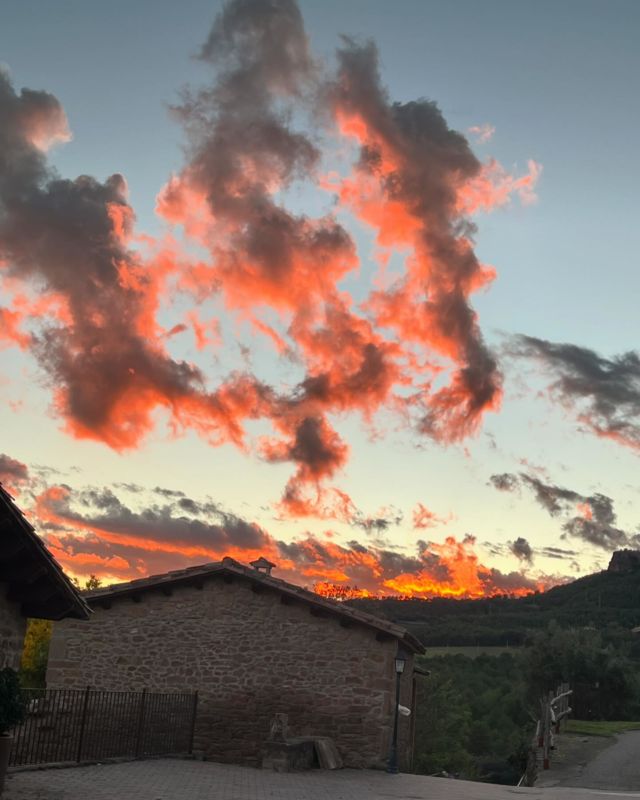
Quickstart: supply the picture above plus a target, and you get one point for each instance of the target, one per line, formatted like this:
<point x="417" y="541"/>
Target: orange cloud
<point x="95" y="531"/>
<point x="425" y="518"/>
<point x="413" y="347"/>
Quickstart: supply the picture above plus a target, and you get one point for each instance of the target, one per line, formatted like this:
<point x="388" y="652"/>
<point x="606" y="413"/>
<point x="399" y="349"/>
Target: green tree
<point x="91" y="583"/>
<point x="471" y="717"/>
<point x="442" y="728"/>
<point x="35" y="652"/>
<point x="581" y="657"/>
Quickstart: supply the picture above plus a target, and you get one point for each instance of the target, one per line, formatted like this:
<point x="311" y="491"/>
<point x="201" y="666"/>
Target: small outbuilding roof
<point x="35" y="579"/>
<point x="230" y="569"/>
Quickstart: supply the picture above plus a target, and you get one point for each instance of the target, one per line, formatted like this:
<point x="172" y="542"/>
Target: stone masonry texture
<point x="249" y="655"/>
<point x="12" y="630"/>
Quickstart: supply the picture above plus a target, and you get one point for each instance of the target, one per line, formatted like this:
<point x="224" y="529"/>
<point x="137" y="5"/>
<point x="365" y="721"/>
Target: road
<point x="594" y="762"/>
<point x="615" y="768"/>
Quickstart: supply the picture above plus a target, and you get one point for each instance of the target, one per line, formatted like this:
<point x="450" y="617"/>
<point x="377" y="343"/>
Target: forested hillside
<point x="475" y="717"/>
<point x="608" y="601"/>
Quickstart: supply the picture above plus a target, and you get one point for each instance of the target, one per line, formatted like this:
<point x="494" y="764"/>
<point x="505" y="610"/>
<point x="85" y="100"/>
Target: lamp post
<point x="393" y="758"/>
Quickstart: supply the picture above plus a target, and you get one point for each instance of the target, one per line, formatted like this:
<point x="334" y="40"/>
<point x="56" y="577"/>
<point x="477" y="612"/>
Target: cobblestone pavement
<point x="173" y="779"/>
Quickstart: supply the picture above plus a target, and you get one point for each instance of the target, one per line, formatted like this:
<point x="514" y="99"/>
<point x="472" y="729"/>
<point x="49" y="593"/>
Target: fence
<point x="77" y="725"/>
<point x="554" y="708"/>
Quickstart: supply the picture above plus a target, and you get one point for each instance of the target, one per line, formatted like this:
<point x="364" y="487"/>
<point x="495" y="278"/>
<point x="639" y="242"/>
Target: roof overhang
<point x="35" y="579"/>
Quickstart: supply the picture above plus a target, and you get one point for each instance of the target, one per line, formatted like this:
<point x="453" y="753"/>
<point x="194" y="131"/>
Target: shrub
<point x="12" y="704"/>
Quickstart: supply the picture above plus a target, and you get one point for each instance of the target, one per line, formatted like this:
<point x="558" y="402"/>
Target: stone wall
<point x="12" y="630"/>
<point x="249" y="656"/>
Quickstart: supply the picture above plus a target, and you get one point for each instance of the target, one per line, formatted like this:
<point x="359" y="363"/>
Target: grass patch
<point x="472" y="651"/>
<point x="600" y="728"/>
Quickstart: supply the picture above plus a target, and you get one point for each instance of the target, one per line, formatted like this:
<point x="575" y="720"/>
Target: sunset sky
<point x="351" y="285"/>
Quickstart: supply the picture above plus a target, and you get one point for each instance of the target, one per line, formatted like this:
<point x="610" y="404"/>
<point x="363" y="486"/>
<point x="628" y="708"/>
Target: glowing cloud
<point x="87" y="288"/>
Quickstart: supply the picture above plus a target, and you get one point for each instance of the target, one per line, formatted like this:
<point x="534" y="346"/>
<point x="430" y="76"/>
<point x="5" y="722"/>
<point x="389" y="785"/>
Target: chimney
<point x="262" y="565"/>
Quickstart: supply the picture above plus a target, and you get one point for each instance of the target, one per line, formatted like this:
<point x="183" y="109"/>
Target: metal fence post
<point x="83" y="722"/>
<point x="193" y="721"/>
<point x="139" y="735"/>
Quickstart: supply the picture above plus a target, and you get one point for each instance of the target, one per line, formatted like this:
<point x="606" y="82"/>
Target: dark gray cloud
<point x="429" y="162"/>
<point x="605" y="392"/>
<point x="93" y="530"/>
<point x="595" y="520"/>
<point x="398" y="564"/>
<point x="168" y="492"/>
<point x="386" y="518"/>
<point x="61" y="235"/>
<point x="602" y="534"/>
<point x="433" y="567"/>
<point x="552" y="498"/>
<point x="314" y="450"/>
<point x="522" y="550"/>
<point x="241" y="143"/>
<point x="104" y="357"/>
<point x="505" y="482"/>
<point x="317" y="452"/>
<point x="103" y="511"/>
<point x="508" y="582"/>
<point x="134" y="488"/>
<point x="243" y="147"/>
<point x="558" y="552"/>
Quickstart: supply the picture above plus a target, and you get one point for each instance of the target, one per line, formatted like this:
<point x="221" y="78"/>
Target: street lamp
<point x="393" y="758"/>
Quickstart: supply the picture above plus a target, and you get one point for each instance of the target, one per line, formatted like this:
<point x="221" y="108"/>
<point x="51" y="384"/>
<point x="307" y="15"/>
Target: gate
<point x="79" y="725"/>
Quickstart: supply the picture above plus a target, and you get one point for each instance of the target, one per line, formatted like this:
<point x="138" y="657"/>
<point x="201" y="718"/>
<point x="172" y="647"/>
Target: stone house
<point x="32" y="583"/>
<point x="252" y="646"/>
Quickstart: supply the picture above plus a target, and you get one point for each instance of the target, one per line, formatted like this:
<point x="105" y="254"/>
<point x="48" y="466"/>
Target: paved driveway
<point x="617" y="766"/>
<point x="173" y="779"/>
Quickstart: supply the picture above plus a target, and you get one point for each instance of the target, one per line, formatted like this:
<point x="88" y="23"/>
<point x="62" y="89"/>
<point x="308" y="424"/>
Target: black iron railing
<point x="79" y="725"/>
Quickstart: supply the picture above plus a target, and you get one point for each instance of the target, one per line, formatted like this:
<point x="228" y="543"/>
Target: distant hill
<point x="608" y="601"/>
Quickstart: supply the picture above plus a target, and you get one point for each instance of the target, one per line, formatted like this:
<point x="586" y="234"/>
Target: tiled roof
<point x="35" y="578"/>
<point x="233" y="568"/>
